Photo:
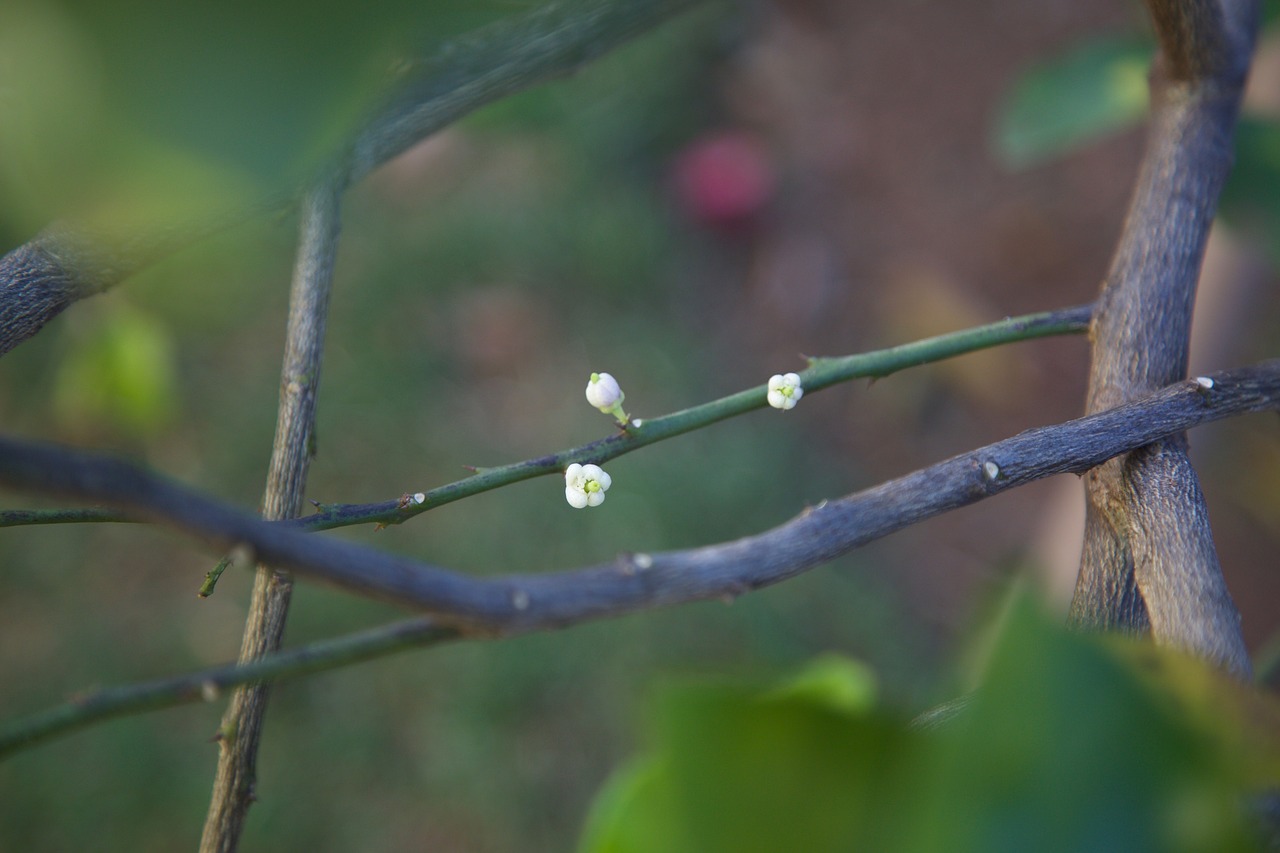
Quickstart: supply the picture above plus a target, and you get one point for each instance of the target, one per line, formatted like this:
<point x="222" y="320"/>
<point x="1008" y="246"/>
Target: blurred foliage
<point x="146" y="110"/>
<point x="1251" y="199"/>
<point x="1098" y="87"/>
<point x="116" y="374"/>
<point x="1070" y="743"/>
<point x="1093" y="89"/>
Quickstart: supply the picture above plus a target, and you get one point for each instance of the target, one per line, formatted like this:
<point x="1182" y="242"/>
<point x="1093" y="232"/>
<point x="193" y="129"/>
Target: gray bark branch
<point x="1148" y="562"/>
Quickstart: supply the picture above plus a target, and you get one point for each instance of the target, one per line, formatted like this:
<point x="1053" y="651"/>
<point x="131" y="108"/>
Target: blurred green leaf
<point x="117" y="374"/>
<point x="635" y="812"/>
<point x="259" y="92"/>
<point x="1065" y="748"/>
<point x="805" y="766"/>
<point x="1072" y="743"/>
<point x="1251" y="198"/>
<point x="1096" y="88"/>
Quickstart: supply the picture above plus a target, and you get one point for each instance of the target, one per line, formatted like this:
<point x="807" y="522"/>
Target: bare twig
<point x="490" y="607"/>
<point x="68" y="262"/>
<point x="99" y="705"/>
<point x="1148" y="559"/>
<point x="95" y="514"/>
<point x="286" y="480"/>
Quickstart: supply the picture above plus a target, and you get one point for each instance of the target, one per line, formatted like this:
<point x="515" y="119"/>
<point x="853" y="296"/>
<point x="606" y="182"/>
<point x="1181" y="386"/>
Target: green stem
<point x="205" y="685"/>
<point x="23" y="517"/>
<point x="821" y="373"/>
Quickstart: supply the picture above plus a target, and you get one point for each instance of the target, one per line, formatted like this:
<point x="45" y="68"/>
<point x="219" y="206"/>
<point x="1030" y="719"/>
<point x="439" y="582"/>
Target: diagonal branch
<point x="68" y="262"/>
<point x="497" y="607"/>
<point x="1148" y="559"/>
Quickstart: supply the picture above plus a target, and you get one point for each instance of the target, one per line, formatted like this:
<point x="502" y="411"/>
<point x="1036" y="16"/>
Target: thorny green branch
<point x="822" y="373"/>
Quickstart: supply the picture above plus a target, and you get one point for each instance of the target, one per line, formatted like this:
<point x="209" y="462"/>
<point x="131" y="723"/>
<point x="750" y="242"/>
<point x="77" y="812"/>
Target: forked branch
<point x="1149" y="561"/>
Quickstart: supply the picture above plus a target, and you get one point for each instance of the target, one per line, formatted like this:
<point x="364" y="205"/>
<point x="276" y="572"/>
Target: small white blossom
<point x="785" y="390"/>
<point x="604" y="393"/>
<point x="585" y="485"/>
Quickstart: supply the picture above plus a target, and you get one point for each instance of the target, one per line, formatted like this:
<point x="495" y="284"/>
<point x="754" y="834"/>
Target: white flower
<point x="603" y="393"/>
<point x="785" y="390"/>
<point x="585" y="485"/>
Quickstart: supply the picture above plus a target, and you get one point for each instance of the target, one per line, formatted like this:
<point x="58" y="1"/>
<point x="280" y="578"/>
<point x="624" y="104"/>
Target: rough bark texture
<point x="241" y="731"/>
<point x="1149" y="562"/>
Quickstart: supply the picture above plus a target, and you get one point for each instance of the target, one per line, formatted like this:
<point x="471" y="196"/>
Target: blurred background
<point x="691" y="214"/>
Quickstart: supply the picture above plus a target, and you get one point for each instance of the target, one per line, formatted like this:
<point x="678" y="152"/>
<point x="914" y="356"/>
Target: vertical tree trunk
<point x="1148" y="561"/>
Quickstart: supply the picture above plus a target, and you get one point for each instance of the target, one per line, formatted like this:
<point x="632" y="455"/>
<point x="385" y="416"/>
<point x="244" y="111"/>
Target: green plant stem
<point x="822" y="373"/>
<point x="205" y="685"/>
<point x="24" y="517"/>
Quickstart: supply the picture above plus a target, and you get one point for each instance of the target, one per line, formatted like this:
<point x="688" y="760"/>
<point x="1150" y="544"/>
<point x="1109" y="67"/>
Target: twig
<point x="96" y="706"/>
<point x="487" y="607"/>
<point x="96" y="514"/>
<point x="286" y="481"/>
<point x="1148" y="558"/>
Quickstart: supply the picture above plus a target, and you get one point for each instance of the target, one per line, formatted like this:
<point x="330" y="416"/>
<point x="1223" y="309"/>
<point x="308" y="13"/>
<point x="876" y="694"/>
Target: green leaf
<point x="1065" y="747"/>
<point x="1097" y="88"/>
<point x="635" y="813"/>
<point x="117" y="373"/>
<point x="1071" y="743"/>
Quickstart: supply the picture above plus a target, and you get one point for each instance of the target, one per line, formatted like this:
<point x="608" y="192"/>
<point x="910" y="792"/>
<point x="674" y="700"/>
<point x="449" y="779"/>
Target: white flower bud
<point x="603" y="392"/>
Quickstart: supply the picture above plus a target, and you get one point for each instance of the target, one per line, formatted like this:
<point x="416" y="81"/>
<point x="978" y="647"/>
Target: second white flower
<point x="585" y="485"/>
